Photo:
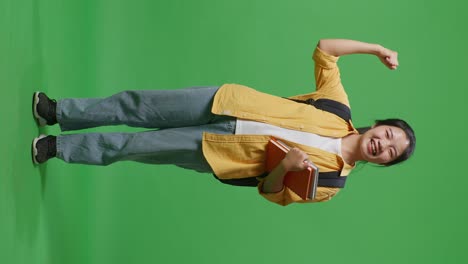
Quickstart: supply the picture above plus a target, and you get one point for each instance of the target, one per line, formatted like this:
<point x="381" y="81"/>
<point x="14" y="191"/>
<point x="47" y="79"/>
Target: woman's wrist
<point x="378" y="50"/>
<point x="274" y="181"/>
<point x="285" y="166"/>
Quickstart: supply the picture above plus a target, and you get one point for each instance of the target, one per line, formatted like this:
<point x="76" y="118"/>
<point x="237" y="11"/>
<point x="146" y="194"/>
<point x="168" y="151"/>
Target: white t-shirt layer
<point x="247" y="127"/>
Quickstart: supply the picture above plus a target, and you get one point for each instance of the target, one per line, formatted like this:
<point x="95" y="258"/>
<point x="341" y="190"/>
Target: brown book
<point x="303" y="183"/>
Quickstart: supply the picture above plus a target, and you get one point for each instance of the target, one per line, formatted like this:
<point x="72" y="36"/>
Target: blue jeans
<point x="177" y="119"/>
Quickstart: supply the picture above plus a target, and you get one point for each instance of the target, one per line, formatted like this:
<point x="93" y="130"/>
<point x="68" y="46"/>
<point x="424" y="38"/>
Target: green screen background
<point x="134" y="213"/>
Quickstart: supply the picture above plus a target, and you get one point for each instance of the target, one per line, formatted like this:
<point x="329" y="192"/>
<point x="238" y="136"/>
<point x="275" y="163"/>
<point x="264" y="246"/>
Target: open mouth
<point x="373" y="147"/>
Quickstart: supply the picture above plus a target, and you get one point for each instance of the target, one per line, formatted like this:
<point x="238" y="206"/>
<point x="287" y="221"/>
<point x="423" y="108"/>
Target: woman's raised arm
<point x="339" y="47"/>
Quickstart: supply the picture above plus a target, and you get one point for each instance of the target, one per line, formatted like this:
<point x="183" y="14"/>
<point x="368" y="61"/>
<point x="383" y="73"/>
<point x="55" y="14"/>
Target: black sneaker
<point x="43" y="148"/>
<point x="44" y="109"/>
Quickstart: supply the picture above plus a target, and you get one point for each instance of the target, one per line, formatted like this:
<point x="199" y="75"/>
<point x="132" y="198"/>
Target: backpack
<point x="326" y="179"/>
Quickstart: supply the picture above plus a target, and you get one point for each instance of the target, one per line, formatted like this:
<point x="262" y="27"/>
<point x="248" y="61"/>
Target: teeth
<point x="374" y="151"/>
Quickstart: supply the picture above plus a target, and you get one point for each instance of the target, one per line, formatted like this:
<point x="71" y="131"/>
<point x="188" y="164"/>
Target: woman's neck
<point x="350" y="148"/>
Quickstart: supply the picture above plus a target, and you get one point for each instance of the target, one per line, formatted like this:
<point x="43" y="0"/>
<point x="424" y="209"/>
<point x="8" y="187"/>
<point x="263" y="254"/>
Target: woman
<point x="224" y="130"/>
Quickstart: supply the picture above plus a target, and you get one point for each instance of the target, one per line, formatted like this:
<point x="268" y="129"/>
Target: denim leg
<point x="147" y="109"/>
<point x="178" y="146"/>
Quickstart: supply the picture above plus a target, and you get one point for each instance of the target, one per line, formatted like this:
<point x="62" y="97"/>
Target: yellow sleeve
<point x="327" y="77"/>
<point x="287" y="196"/>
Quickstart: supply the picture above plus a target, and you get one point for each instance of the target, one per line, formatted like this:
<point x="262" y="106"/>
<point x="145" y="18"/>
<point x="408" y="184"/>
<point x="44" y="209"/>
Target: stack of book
<point x="303" y="183"/>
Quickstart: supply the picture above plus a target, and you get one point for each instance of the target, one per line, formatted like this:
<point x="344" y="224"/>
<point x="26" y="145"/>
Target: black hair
<point x="409" y="134"/>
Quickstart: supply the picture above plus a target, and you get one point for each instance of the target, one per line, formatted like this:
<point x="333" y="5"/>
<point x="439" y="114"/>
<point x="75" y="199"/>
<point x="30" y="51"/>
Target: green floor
<point x="131" y="213"/>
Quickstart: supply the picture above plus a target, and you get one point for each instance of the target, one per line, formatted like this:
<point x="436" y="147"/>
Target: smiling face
<point x="383" y="144"/>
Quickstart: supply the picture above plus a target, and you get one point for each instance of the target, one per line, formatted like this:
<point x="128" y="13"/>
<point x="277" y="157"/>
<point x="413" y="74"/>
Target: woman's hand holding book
<point x="295" y="160"/>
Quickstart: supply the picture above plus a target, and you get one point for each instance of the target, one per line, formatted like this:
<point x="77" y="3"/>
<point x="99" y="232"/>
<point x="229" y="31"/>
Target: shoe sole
<point x="39" y="119"/>
<point x="34" y="149"/>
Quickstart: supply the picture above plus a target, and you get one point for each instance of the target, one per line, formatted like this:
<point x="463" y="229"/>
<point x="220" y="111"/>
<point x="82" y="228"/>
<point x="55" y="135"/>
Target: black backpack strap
<point x="326" y="179"/>
<point x="245" y="182"/>
<point x="331" y="179"/>
<point x="329" y="105"/>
